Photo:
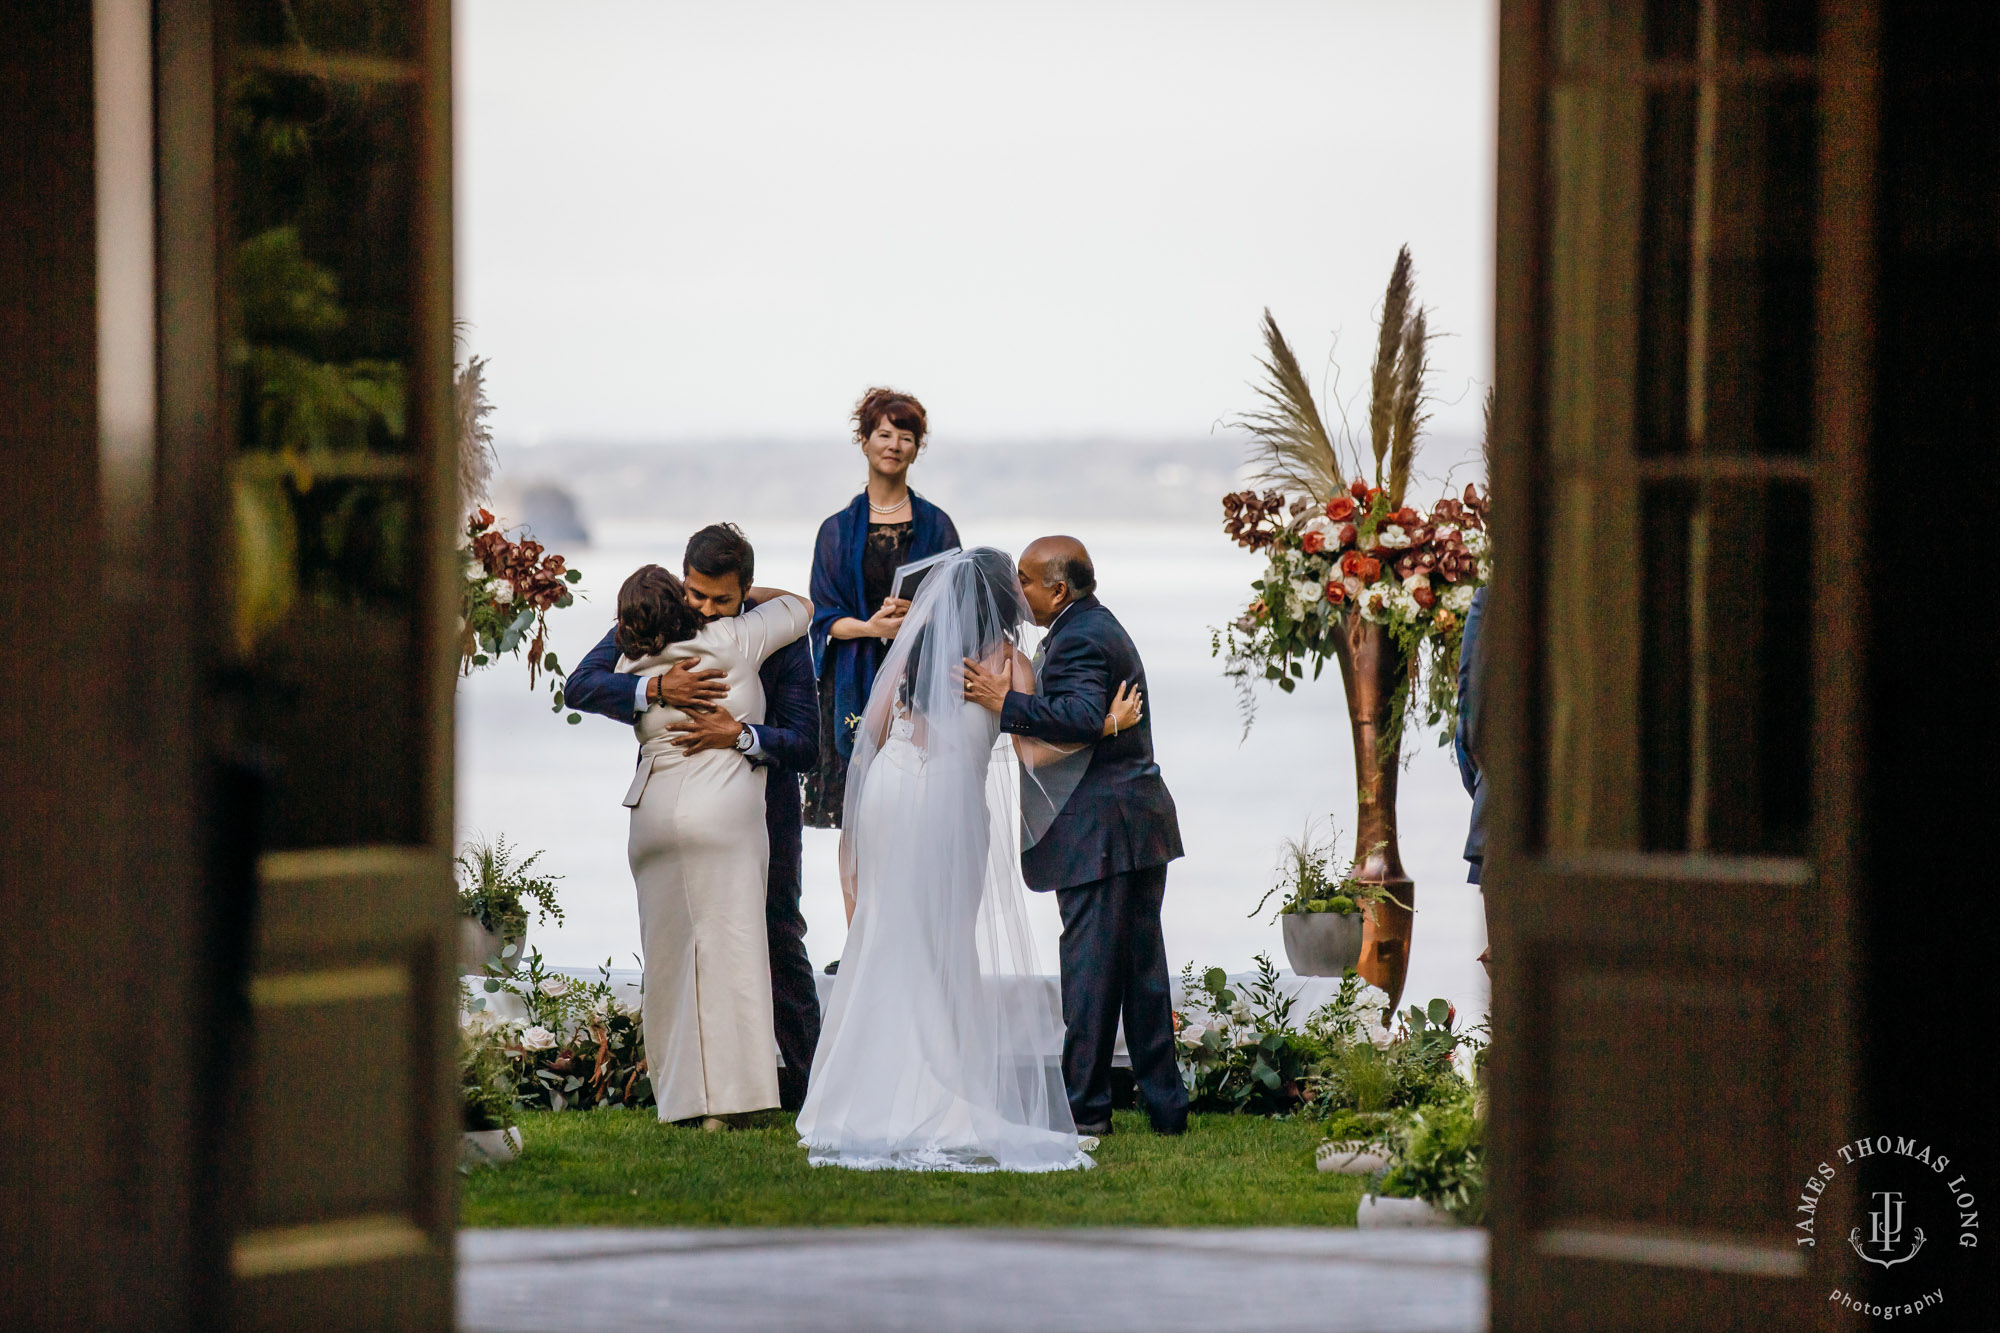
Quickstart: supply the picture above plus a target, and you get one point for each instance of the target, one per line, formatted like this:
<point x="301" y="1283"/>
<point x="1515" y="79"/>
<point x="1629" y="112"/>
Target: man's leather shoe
<point x="1171" y="1128"/>
<point x="1097" y="1129"/>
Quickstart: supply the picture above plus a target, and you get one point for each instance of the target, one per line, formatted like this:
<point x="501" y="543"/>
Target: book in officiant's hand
<point x="910" y="577"/>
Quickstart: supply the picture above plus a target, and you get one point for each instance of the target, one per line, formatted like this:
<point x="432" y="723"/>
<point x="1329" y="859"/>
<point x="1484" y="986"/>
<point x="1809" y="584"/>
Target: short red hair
<point x="901" y="410"/>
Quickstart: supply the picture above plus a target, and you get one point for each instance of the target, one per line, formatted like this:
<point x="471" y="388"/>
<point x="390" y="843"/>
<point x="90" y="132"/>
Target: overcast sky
<point x="684" y="220"/>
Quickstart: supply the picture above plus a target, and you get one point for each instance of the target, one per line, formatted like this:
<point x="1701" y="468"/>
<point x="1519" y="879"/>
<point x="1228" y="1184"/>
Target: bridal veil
<point x="941" y="1046"/>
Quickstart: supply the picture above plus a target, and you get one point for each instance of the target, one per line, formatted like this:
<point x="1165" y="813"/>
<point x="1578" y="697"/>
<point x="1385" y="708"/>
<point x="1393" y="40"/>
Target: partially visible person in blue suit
<point x="1465" y="741"/>
<point x="717" y="571"/>
<point x="854" y="561"/>
<point x="1106" y="852"/>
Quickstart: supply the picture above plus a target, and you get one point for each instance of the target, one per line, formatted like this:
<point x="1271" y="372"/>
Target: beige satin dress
<point x="700" y="857"/>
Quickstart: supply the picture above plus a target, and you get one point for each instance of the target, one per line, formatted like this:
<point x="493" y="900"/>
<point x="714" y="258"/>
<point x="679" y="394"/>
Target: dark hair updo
<point x="899" y="409"/>
<point x="653" y="612"/>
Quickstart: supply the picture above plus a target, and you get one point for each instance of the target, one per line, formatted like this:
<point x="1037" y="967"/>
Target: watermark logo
<point x="1885" y="1232"/>
<point x="1900" y="1193"/>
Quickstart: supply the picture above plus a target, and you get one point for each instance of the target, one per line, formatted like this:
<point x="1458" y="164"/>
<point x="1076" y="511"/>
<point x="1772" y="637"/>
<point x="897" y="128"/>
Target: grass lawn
<point x="624" y="1168"/>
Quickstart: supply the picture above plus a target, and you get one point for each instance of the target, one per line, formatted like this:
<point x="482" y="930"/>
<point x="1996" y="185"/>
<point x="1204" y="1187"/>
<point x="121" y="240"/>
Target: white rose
<point x="537" y="1038"/>
<point x="1418" y="579"/>
<point x="503" y="592"/>
<point x="1308" y="591"/>
<point x="1319" y="523"/>
<point x="1375" y="605"/>
<point x="1392" y="536"/>
<point x="1191" y="1034"/>
<point x="1475" y="542"/>
<point x="554" y="986"/>
<point x="1240" y="1011"/>
<point x="1353" y="585"/>
<point x="1485" y="571"/>
<point x="1459" y="597"/>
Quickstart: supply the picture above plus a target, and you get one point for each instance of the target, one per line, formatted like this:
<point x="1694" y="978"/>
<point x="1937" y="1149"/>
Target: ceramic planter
<point x="491" y="1147"/>
<point x="476" y="944"/>
<point x="1321" y="944"/>
<point x="1350" y="1159"/>
<point x="1378" y="1212"/>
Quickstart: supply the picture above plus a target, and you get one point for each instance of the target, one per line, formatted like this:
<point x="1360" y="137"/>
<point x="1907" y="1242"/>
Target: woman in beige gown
<point x="700" y="857"/>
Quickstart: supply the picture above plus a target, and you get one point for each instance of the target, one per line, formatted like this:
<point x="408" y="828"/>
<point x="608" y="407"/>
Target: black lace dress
<point x="825" y="787"/>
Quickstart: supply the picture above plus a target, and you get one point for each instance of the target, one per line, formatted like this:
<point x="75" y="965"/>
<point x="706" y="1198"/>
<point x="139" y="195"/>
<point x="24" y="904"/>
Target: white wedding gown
<point x="940" y="1048"/>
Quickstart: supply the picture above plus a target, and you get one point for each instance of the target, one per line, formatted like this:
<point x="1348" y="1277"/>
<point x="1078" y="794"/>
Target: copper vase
<point x="1373" y="669"/>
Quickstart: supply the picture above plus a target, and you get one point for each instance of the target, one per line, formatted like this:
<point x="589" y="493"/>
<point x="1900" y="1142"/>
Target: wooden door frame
<point x="1520" y="875"/>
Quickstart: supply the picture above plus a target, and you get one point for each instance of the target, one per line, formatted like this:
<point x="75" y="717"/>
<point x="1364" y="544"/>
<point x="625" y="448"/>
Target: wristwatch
<point x="745" y="739"/>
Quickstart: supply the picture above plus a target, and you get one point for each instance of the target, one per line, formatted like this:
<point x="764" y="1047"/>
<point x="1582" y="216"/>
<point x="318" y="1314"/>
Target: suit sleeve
<point x="1070" y="702"/>
<point x="789" y="736"/>
<point x="1471" y="674"/>
<point x="596" y="685"/>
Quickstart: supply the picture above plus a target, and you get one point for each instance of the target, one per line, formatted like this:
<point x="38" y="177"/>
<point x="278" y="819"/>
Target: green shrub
<point x="1437" y="1153"/>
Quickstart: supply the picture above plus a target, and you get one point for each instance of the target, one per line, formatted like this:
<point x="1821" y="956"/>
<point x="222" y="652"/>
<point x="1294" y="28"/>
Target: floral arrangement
<point x="1410" y="570"/>
<point x="1338" y="546"/>
<point x="510" y="588"/>
<point x="579" y="1048"/>
<point x="1239" y="1051"/>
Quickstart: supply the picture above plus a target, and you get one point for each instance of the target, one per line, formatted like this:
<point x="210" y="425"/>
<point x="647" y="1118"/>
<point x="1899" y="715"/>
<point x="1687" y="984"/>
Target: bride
<point x="940" y="1049"/>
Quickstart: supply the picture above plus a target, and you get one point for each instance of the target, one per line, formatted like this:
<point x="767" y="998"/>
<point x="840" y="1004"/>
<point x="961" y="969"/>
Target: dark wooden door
<point x="1684" y="265"/>
<point x="307" y="192"/>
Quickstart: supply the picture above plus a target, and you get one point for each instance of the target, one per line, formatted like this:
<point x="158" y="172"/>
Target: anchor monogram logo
<point x="1885" y="1232"/>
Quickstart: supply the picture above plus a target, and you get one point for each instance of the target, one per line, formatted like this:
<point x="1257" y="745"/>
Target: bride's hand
<point x="1127" y="707"/>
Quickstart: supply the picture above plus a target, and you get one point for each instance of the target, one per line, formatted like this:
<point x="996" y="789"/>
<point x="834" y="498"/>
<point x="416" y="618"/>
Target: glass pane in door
<point x="325" y="501"/>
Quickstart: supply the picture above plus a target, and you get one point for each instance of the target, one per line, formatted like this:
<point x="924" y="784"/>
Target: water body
<point x="547" y="785"/>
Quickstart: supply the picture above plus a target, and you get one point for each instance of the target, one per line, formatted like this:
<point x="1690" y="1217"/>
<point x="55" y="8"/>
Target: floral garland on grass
<point x="579" y="1048"/>
<point x="510" y="588"/>
<point x="1356" y="555"/>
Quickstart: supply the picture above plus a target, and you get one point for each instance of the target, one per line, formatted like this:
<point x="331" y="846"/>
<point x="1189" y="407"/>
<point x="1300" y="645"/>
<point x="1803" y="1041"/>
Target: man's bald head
<point x="1055" y="571"/>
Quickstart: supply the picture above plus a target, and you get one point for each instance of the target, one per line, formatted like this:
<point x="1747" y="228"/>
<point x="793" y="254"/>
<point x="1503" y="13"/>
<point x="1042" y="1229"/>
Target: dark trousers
<point x="795" y="1003"/>
<point x="1114" y="960"/>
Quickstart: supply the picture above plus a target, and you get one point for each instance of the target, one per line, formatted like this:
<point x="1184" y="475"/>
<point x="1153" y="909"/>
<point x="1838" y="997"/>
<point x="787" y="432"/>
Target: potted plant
<point x="1436" y="1169"/>
<point x="486" y="1080"/>
<point x="1357" y="575"/>
<point x="1321" y="909"/>
<point x="493" y="890"/>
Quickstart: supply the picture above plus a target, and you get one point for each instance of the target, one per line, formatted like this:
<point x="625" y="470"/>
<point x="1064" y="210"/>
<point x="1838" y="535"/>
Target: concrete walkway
<point x="968" y="1281"/>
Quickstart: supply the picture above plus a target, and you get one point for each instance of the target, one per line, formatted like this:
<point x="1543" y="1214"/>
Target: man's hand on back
<point x="708" y="729"/>
<point x="681" y="686"/>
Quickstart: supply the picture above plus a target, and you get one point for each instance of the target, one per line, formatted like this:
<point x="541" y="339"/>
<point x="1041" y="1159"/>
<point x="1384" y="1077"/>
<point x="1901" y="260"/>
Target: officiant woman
<point x="854" y="617"/>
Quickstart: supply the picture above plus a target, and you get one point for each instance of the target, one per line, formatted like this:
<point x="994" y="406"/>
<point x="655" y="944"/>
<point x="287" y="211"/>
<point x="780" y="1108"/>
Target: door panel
<point x="333" y="223"/>
<point x="1682" y="340"/>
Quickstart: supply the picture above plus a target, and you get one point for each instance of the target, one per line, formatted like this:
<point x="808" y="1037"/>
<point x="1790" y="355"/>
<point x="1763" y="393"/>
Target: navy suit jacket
<point x="789" y="735"/>
<point x="1120" y="817"/>
<point x="1466" y="740"/>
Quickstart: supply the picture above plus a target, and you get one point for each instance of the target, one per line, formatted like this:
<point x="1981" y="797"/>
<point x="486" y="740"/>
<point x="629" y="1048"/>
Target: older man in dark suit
<point x="1105" y="855"/>
<point x="717" y="570"/>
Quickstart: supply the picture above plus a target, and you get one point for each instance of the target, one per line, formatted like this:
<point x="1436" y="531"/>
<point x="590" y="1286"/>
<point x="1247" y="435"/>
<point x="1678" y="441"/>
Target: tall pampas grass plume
<point x="475" y="437"/>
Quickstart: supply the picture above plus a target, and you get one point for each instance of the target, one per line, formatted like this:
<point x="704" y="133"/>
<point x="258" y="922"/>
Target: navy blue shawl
<point x="836" y="592"/>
